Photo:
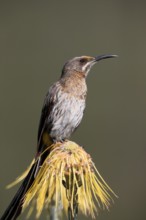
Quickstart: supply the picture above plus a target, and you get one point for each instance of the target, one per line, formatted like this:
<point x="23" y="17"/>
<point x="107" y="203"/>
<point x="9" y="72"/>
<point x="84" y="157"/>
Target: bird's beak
<point x="104" y="56"/>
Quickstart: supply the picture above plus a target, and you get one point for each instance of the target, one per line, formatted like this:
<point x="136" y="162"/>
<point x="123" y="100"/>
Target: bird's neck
<point x="75" y="84"/>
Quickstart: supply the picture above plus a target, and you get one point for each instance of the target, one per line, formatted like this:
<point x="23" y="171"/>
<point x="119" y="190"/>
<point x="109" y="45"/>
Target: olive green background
<point x="36" y="38"/>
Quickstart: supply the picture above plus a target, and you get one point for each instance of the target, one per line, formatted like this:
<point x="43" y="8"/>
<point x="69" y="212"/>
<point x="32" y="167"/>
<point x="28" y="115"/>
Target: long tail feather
<point x="15" y="207"/>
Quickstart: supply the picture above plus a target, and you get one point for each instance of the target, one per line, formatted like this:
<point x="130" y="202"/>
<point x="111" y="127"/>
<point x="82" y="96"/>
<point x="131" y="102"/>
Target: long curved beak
<point x="104" y="56"/>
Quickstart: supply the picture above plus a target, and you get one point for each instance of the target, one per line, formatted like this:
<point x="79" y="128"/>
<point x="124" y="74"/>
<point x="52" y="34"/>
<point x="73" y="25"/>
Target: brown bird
<point x="62" y="113"/>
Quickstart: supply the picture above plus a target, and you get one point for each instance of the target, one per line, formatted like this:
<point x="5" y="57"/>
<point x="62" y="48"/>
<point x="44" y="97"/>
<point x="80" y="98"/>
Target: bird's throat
<point x="75" y="84"/>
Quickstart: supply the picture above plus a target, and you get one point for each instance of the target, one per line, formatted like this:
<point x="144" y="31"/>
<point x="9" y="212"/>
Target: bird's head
<point x="82" y="64"/>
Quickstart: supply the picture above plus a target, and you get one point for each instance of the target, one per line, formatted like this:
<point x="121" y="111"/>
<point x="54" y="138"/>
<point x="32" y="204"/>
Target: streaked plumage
<point x="62" y="113"/>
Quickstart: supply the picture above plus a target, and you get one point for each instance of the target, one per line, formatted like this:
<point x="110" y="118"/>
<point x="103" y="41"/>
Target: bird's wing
<point x="47" y="106"/>
<point x="45" y="119"/>
<point x="43" y="124"/>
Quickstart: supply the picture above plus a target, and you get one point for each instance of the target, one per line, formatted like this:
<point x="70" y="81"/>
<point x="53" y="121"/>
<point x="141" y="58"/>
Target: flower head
<point x="68" y="176"/>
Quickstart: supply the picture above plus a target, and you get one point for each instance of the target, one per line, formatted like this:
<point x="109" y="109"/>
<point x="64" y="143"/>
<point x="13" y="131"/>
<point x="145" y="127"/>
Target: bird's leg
<point x="58" y="140"/>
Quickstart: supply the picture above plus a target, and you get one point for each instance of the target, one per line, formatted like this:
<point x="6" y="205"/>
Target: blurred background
<point x="36" y="38"/>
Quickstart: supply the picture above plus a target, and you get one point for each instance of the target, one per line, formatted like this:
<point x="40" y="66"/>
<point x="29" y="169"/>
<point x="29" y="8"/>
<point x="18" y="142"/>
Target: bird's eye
<point x="83" y="60"/>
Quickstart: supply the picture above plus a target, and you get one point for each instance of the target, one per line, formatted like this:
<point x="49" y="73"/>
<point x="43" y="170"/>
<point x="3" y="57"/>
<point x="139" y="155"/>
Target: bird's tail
<point x="15" y="207"/>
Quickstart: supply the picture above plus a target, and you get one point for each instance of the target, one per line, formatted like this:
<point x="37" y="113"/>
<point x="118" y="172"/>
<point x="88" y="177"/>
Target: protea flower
<point x="69" y="180"/>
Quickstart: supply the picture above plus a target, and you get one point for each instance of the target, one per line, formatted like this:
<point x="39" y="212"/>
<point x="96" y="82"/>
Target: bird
<point x="61" y="114"/>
